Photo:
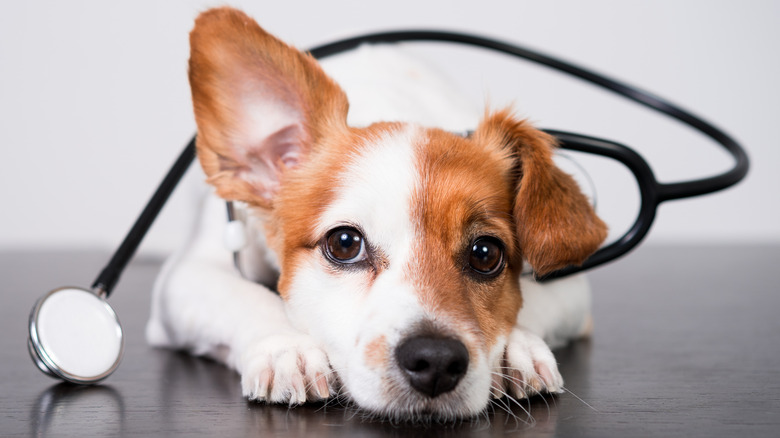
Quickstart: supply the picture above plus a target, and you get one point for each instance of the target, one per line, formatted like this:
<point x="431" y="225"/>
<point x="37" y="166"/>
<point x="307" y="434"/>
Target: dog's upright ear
<point x="260" y="105"/>
<point x="556" y="225"/>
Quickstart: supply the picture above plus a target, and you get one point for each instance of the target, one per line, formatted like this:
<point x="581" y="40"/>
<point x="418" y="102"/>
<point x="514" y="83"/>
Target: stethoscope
<point x="76" y="336"/>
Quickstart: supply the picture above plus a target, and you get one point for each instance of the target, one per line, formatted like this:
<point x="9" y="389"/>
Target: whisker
<point x="531" y="421"/>
<point x="580" y="399"/>
<point x="506" y="394"/>
<point x="506" y="408"/>
<point x="526" y="385"/>
<point x="484" y="413"/>
<point x="510" y="378"/>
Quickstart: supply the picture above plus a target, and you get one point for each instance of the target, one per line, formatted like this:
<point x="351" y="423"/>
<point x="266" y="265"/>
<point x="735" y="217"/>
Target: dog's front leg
<point x="558" y="311"/>
<point x="552" y="315"/>
<point x="204" y="306"/>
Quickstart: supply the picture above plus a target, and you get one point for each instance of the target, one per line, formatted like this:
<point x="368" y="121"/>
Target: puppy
<point x="383" y="262"/>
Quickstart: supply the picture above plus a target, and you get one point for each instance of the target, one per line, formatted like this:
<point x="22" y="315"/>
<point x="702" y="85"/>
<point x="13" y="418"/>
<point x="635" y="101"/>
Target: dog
<point x="383" y="263"/>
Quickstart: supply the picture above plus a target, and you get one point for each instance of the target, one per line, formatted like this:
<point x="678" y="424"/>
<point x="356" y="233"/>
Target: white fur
<point x="557" y="311"/>
<point x="387" y="83"/>
<point x="201" y="302"/>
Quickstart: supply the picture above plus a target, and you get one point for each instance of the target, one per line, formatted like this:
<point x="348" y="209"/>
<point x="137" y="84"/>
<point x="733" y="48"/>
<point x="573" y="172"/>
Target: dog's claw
<point x="321" y="385"/>
<point x="497" y="387"/>
<point x="262" y="383"/>
<point x="551" y="379"/>
<point x="514" y="386"/>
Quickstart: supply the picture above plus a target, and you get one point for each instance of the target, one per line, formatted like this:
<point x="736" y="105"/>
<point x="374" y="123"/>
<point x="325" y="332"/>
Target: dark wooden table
<point x="687" y="343"/>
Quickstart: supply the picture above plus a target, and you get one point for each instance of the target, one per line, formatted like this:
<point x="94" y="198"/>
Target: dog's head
<point x="399" y="246"/>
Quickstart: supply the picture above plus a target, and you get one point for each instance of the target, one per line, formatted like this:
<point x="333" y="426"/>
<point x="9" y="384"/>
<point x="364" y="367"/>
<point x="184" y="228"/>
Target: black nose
<point x="433" y="365"/>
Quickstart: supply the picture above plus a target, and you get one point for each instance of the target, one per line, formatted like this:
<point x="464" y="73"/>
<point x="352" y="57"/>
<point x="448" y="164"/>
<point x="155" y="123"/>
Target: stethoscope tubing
<point x="109" y="276"/>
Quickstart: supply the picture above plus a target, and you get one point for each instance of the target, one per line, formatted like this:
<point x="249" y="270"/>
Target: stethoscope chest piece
<point x="75" y="335"/>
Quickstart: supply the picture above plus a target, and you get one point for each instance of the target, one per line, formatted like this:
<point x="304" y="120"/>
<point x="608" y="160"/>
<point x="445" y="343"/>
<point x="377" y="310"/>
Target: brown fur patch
<point x="466" y="192"/>
<point x="376" y="353"/>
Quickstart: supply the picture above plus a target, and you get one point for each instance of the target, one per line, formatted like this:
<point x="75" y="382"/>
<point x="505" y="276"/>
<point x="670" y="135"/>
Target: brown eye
<point x="487" y="256"/>
<point x="345" y="245"/>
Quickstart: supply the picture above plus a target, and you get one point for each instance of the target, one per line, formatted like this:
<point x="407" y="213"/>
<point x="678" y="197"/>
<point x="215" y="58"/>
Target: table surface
<point x="687" y="343"/>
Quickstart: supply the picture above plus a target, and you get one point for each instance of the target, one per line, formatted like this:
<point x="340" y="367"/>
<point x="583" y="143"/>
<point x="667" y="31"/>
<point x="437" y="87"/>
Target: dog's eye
<point x="487" y="256"/>
<point x="345" y="245"/>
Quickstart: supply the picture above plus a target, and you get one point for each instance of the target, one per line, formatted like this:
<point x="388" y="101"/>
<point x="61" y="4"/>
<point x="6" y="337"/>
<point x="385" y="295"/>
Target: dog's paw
<point x="528" y="368"/>
<point x="289" y="369"/>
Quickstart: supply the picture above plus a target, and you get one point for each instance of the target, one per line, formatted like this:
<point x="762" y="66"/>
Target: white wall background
<point x="94" y="100"/>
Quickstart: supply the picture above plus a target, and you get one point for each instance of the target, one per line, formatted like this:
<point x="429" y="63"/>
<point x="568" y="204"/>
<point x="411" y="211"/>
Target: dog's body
<point x="396" y="249"/>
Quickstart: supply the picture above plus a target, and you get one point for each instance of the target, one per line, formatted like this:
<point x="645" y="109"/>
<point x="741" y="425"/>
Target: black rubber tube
<point x="109" y="276"/>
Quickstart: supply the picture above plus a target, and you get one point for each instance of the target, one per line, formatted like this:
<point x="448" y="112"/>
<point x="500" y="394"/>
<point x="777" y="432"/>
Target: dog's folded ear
<point x="260" y="105"/>
<point x="556" y="225"/>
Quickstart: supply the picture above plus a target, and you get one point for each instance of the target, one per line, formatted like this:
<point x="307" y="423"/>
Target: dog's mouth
<point x="426" y="379"/>
<point x="404" y="404"/>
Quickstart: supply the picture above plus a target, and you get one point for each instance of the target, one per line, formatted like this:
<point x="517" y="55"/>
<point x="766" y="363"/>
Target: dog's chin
<point x="415" y="409"/>
<point x="400" y="403"/>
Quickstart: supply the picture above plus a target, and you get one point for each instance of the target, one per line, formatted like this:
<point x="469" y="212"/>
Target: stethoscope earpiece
<point x="75" y="335"/>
